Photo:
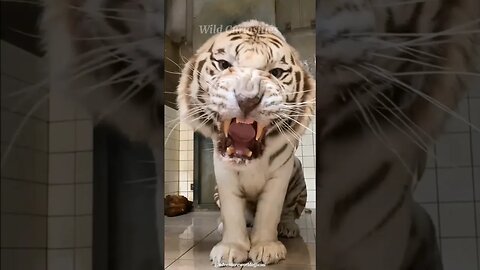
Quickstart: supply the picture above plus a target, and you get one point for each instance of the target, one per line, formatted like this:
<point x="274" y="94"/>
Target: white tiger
<point x="247" y="90"/>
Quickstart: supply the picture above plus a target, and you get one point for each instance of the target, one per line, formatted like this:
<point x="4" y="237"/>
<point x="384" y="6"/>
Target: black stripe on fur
<point x="362" y="191"/>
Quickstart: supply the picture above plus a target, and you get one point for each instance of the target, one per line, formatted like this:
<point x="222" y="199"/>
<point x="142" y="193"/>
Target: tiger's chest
<point x="252" y="182"/>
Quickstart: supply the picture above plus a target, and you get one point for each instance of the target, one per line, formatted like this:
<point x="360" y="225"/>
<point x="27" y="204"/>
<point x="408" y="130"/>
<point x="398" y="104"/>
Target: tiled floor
<point x="189" y="239"/>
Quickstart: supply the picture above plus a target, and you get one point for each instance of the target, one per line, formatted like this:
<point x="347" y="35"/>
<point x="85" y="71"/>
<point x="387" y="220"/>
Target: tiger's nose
<point x="248" y="104"/>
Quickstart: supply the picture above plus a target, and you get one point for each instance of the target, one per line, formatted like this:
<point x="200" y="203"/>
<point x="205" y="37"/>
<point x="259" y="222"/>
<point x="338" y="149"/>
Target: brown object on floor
<point x="176" y="205"/>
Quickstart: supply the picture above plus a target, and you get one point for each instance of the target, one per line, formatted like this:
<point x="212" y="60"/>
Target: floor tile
<point x="195" y="264"/>
<point x="190" y="238"/>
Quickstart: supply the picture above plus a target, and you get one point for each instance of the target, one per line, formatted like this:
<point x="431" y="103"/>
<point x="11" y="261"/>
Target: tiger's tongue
<point x="242" y="135"/>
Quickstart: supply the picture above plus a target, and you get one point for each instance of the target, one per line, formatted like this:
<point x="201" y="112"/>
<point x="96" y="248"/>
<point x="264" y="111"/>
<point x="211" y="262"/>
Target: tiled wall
<point x="306" y="154"/>
<point x="46" y="184"/>
<point x="186" y="162"/>
<point x="24" y="177"/>
<point x="70" y="186"/>
<point x="178" y="156"/>
<point x="172" y="144"/>
<point x="450" y="188"/>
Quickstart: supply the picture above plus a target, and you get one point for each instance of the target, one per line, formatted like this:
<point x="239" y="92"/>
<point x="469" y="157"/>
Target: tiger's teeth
<point x="226" y="127"/>
<point x="249" y="153"/>
<point x="230" y="150"/>
<point x="260" y="128"/>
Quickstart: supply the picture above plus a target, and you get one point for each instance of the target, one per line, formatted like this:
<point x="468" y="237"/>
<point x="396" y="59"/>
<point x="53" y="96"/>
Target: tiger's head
<point x="245" y="88"/>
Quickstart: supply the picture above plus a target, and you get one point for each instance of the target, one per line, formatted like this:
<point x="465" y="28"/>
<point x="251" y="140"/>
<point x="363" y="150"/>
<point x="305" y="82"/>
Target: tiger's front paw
<point x="268" y="252"/>
<point x="228" y="253"/>
<point x="288" y="229"/>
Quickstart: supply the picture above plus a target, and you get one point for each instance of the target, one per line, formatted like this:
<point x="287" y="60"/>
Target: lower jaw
<point x="239" y="161"/>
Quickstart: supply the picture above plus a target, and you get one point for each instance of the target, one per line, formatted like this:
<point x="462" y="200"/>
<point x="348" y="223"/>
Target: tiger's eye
<point x="277" y="72"/>
<point x="224" y="64"/>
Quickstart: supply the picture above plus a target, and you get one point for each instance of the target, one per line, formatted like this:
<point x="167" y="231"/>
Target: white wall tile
<point x="183" y="155"/>
<point x="183" y="176"/>
<point x="476" y="175"/>
<point x="477" y="215"/>
<point x="83" y="199"/>
<point x="453" y="150"/>
<point x="61" y="259"/>
<point x="61" y="168"/>
<point x="61" y="232"/>
<point x="24" y="203"/>
<point x="62" y="137"/>
<point x="459" y="254"/>
<point x="61" y="200"/>
<point x="171" y="187"/>
<point x="183" y="186"/>
<point x="455" y="184"/>
<point x="171" y="176"/>
<point x="39" y="169"/>
<point x="308" y="162"/>
<point x="83" y="231"/>
<point x="19" y="259"/>
<point x="476" y="148"/>
<point x="311" y="204"/>
<point x="309" y="172"/>
<point x="83" y="259"/>
<point x="23" y="197"/>
<point x="23" y="231"/>
<point x="84" y="167"/>
<point x="310" y="183"/>
<point x="183" y="165"/>
<point x="475" y="111"/>
<point x="84" y="135"/>
<point x="457" y="220"/>
<point x="308" y="151"/>
<point x="311" y="195"/>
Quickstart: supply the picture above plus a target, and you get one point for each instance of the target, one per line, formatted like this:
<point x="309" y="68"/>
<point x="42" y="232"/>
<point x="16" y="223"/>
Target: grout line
<point x="438" y="234"/>
<point x="71" y="151"/>
<point x="24" y="214"/>
<point x="194" y="245"/>
<point x="23" y="81"/>
<point x="24" y="248"/>
<point x="24" y="147"/>
<point x="75" y="191"/>
<point x="447" y="202"/>
<point x="459" y="237"/>
<point x="24" y="180"/>
<point x="19" y="113"/>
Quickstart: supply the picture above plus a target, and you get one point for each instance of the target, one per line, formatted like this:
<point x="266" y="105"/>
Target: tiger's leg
<point x="265" y="245"/>
<point x="288" y="227"/>
<point x="295" y="201"/>
<point x="422" y="252"/>
<point x="249" y="212"/>
<point x="235" y="243"/>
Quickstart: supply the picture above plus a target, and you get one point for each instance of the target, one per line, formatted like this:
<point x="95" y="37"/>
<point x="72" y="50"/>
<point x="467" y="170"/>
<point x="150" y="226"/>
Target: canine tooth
<point x="230" y="150"/>
<point x="226" y="127"/>
<point x="249" y="153"/>
<point x="260" y="128"/>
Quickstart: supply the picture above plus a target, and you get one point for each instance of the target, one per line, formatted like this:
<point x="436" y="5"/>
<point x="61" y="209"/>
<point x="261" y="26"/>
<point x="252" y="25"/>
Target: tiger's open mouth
<point x="243" y="139"/>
